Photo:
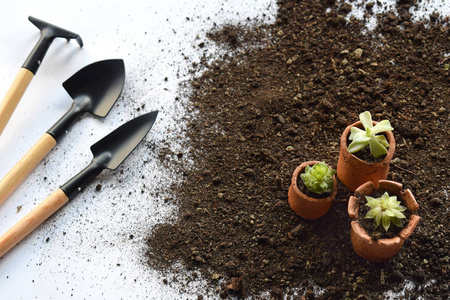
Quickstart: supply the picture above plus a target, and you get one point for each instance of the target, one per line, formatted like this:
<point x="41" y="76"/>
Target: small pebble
<point x="216" y="276"/>
<point x="216" y="180"/>
<point x="358" y="53"/>
<point x="436" y="202"/>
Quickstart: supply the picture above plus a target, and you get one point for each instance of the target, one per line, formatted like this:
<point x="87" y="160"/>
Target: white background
<point x="89" y="253"/>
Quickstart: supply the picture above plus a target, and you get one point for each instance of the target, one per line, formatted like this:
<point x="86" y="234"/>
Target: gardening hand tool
<point x="94" y="89"/>
<point x="29" y="68"/>
<point x="108" y="153"/>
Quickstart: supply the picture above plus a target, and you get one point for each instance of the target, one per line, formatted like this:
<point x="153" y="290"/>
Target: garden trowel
<point x="94" y="89"/>
<point x="108" y="153"/>
<point x="31" y="65"/>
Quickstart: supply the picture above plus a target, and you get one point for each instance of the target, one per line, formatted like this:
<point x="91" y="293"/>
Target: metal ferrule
<point x="79" y="106"/>
<point x="75" y="185"/>
<point x="36" y="56"/>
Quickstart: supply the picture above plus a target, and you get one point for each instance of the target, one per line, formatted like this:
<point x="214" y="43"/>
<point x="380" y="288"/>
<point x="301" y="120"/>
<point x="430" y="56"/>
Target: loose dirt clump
<point x="258" y="112"/>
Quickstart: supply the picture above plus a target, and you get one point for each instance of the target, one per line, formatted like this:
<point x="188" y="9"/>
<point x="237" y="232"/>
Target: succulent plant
<point x="385" y="210"/>
<point x="361" y="138"/>
<point x="318" y="178"/>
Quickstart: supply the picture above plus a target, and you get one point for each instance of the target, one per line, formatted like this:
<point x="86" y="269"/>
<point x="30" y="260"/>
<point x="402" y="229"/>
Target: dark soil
<point x="259" y="112"/>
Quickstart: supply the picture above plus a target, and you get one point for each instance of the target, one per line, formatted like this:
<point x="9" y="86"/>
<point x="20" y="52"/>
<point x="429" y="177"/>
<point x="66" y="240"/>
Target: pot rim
<point x="294" y="185"/>
<point x="407" y="196"/>
<point x="389" y="136"/>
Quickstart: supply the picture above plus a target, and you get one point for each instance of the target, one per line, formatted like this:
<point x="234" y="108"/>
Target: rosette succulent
<point x="361" y="138"/>
<point x="385" y="210"/>
<point x="318" y="178"/>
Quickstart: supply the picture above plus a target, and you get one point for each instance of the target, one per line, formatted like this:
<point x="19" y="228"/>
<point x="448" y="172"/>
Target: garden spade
<point x="108" y="153"/>
<point x="29" y="68"/>
<point x="94" y="89"/>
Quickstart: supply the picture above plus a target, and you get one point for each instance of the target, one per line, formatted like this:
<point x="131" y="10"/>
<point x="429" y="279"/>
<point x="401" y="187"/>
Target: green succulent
<point x="318" y="178"/>
<point x="361" y="138"/>
<point x="385" y="210"/>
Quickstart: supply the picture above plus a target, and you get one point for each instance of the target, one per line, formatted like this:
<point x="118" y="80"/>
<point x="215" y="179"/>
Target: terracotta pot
<point x="353" y="171"/>
<point x="308" y="207"/>
<point x="382" y="249"/>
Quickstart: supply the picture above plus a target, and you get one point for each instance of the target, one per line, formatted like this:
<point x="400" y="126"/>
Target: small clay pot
<point x="382" y="249"/>
<point x="353" y="172"/>
<point x="305" y="206"/>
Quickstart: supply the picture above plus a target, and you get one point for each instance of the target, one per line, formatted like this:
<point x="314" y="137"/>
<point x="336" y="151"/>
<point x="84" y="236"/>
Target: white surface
<point x="89" y="254"/>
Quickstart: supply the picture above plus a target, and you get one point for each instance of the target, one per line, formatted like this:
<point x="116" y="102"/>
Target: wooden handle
<point x="32" y="220"/>
<point x="13" y="96"/>
<point x="25" y="165"/>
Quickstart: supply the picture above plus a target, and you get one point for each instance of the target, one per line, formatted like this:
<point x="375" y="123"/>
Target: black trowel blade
<point x="122" y="141"/>
<point x="100" y="82"/>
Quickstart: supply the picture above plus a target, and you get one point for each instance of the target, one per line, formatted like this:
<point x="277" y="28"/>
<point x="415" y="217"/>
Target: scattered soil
<point x="282" y="95"/>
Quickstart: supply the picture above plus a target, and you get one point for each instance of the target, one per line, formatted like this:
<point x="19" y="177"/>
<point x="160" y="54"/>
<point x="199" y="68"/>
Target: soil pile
<point x="258" y="112"/>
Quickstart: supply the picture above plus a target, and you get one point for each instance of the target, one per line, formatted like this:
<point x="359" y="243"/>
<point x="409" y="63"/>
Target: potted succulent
<point x="387" y="210"/>
<point x="312" y="189"/>
<point x="353" y="171"/>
